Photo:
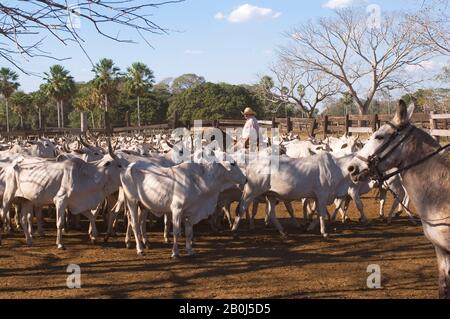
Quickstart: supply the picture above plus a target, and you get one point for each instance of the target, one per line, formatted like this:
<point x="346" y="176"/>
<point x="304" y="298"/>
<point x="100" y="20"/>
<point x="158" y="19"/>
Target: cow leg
<point x="60" y="202"/>
<point x="17" y="222"/>
<point x="25" y="212"/>
<point x="443" y="259"/>
<point x="305" y="211"/>
<point x="338" y="204"/>
<point x="383" y="193"/>
<point x="391" y="211"/>
<point x="189" y="230"/>
<point x="176" y="221"/>
<point x="290" y="210"/>
<point x="39" y="220"/>
<point x="255" y="206"/>
<point x="354" y="194"/>
<point x="323" y="213"/>
<point x="226" y="209"/>
<point x="93" y="233"/>
<point x="143" y="222"/>
<point x="271" y="204"/>
<point x="243" y="205"/>
<point x="134" y="221"/>
<point x="128" y="233"/>
<point x="167" y="224"/>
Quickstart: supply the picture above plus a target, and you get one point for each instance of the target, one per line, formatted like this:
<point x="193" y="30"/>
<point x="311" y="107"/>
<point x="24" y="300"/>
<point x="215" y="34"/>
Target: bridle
<point x="374" y="160"/>
<point x="386" y="149"/>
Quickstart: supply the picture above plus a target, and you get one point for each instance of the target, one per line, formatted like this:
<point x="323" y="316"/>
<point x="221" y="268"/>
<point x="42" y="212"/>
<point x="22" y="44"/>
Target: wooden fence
<point x="436" y="124"/>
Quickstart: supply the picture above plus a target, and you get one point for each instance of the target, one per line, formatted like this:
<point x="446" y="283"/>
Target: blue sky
<point x="223" y="40"/>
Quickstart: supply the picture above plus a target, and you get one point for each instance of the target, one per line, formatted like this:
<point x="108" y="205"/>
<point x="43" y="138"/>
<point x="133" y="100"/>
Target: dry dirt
<point x="258" y="264"/>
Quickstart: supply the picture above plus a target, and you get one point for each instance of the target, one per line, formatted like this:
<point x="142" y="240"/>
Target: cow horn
<point x="66" y="148"/>
<point x="110" y="149"/>
<point x="169" y="144"/>
<point x="83" y="142"/>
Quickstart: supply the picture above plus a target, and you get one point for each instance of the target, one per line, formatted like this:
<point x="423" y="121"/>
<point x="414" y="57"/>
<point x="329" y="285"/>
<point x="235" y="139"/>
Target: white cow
<point x="322" y="177"/>
<point x="189" y="191"/>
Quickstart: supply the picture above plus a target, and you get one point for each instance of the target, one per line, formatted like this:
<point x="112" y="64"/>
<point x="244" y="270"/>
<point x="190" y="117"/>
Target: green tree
<point x="20" y="102"/>
<point x="139" y="81"/>
<point x="8" y="84"/>
<point x="106" y="81"/>
<point x="86" y="100"/>
<point x="186" y="81"/>
<point x="211" y="101"/>
<point x="39" y="99"/>
<point x="60" y="86"/>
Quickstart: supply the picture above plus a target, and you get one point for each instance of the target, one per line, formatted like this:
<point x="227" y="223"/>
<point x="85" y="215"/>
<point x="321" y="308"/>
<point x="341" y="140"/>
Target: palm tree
<point x="20" y="102"/>
<point x="139" y="80"/>
<point x="106" y="81"/>
<point x="8" y="85"/>
<point x="60" y="86"/>
<point x="39" y="99"/>
<point x="86" y="100"/>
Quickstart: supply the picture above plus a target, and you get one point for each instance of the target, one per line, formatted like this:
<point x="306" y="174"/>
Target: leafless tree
<point x="24" y="27"/>
<point x="364" y="55"/>
<point x="301" y="87"/>
<point x="433" y="21"/>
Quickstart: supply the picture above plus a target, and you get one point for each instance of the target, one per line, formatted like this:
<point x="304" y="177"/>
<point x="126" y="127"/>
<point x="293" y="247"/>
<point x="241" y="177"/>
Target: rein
<point x="374" y="160"/>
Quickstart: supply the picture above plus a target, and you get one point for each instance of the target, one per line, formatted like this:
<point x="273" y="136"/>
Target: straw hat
<point x="248" y="111"/>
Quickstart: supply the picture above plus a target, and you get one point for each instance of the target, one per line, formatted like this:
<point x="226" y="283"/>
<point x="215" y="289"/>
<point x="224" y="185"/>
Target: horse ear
<point x="410" y="111"/>
<point x="401" y="115"/>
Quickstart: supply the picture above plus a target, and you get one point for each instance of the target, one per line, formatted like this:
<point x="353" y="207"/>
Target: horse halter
<point x="374" y="160"/>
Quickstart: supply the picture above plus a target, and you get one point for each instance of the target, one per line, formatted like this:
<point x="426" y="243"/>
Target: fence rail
<point x="436" y="124"/>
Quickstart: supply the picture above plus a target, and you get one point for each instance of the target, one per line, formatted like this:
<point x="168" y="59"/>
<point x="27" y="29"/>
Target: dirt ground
<point x="258" y="264"/>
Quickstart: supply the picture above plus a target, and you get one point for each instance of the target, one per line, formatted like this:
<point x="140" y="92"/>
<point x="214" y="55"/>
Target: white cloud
<point x="193" y="52"/>
<point x="219" y="16"/>
<point x="248" y="12"/>
<point x="336" y="4"/>
<point x="424" y="65"/>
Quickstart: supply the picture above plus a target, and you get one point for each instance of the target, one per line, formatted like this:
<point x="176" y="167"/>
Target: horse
<point x="424" y="167"/>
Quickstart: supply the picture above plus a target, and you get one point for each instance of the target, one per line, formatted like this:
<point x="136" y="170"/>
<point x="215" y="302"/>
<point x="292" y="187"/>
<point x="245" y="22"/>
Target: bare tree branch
<point x="21" y="25"/>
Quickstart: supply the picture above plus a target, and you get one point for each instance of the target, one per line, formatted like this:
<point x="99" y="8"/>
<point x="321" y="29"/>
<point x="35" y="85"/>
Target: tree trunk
<point x="21" y="122"/>
<point x="40" y="118"/>
<point x="7" y="116"/>
<point x="59" y="118"/>
<point x="138" y="112"/>
<point x="62" y="113"/>
<point x="107" y="123"/>
<point x="92" y="119"/>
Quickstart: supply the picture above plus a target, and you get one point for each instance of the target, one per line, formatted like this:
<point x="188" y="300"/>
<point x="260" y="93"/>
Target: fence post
<point x="347" y="125"/>
<point x="274" y="123"/>
<point x="313" y="127"/>
<point x="325" y="126"/>
<point x="175" y="120"/>
<point x="83" y="122"/>
<point x="433" y="126"/>
<point x="374" y="123"/>
<point x="289" y="124"/>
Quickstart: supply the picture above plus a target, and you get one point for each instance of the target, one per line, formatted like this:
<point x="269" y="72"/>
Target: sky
<point x="230" y="41"/>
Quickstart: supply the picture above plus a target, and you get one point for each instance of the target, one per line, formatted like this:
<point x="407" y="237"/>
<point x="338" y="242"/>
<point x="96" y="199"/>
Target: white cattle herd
<point x="184" y="180"/>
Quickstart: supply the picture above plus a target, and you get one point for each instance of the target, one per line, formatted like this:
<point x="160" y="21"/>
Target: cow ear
<point x="227" y="165"/>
